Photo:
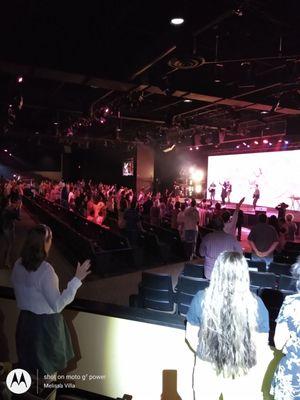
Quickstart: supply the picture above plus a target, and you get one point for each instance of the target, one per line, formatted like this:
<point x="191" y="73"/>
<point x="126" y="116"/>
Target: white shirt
<point x="191" y="219"/>
<point x="230" y="226"/>
<point x="38" y="291"/>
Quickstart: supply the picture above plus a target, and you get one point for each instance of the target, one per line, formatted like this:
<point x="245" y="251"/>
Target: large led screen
<point x="277" y="175"/>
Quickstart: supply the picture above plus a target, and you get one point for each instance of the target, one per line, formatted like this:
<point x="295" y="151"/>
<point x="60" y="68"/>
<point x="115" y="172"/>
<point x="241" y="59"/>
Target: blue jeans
<point x="267" y="259"/>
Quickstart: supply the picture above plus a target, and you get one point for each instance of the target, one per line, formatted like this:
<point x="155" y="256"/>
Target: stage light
<point x="191" y="148"/>
<point x="264" y="112"/>
<point x="55" y="123"/>
<point x="187" y="101"/>
<point x="197" y="175"/>
<point x="270" y="144"/>
<point x="10" y="154"/>
<point x="102" y="120"/>
<point x="265" y="141"/>
<point x="248" y="145"/>
<point x="5" y="150"/>
<point x="168" y="149"/>
<point x="191" y="170"/>
<point x="198" y="189"/>
<point x="237" y="146"/>
<point x="177" y="21"/>
<point x="197" y="148"/>
<point x="20" y="79"/>
<point x="286" y="142"/>
<point x="255" y="142"/>
<point x="244" y="144"/>
<point x="279" y="141"/>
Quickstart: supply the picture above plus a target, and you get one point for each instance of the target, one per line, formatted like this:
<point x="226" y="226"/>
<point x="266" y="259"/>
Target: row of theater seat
<point x="156" y="290"/>
<point x="110" y="251"/>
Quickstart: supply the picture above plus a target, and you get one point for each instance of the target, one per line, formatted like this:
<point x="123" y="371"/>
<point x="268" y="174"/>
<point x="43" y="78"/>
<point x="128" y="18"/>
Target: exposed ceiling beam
<point x="61" y="76"/>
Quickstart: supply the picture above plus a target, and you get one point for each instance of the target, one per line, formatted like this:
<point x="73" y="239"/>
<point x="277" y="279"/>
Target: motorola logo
<point x="18" y="381"/>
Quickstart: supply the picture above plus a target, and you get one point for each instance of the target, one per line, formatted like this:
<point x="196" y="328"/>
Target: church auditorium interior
<point x="142" y="143"/>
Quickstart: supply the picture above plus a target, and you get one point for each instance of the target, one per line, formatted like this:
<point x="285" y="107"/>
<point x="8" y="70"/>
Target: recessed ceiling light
<point x="264" y="112"/>
<point x="187" y="100"/>
<point x="177" y="21"/>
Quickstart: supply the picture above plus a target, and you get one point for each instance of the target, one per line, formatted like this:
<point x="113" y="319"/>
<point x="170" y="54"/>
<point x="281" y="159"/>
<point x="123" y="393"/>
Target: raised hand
<point x="83" y="269"/>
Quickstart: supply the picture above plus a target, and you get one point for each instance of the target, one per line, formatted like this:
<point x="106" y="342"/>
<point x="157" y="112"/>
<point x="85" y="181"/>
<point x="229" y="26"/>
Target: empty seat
<point x="187" y="287"/>
<point x="156" y="292"/>
<point x="258" y="265"/>
<point x="262" y="279"/>
<point x="279" y="268"/>
<point x="287" y="282"/>
<point x="193" y="270"/>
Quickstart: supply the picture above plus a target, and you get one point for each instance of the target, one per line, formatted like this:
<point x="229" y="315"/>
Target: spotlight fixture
<point x="255" y="142"/>
<point x="280" y="141"/>
<point x="168" y="149"/>
<point x="197" y="148"/>
<point x="248" y="145"/>
<point x="10" y="154"/>
<point x="270" y="144"/>
<point x="191" y="148"/>
<point x="265" y="141"/>
<point x="20" y="79"/>
<point x="177" y="21"/>
<point x="244" y="144"/>
<point x="218" y="73"/>
<point x="237" y="146"/>
<point x="187" y="101"/>
<point x="286" y="142"/>
<point x="264" y="112"/>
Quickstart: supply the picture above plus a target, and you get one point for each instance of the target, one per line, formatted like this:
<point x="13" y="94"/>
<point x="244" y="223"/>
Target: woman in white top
<point x="42" y="337"/>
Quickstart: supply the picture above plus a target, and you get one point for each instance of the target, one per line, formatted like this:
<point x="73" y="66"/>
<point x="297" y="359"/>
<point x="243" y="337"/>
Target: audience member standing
<point x="180" y="221"/>
<point x="9" y="214"/>
<point x="263" y="240"/>
<point x="191" y="222"/>
<point x="228" y="327"/>
<point x="215" y="243"/>
<point x="174" y="215"/>
<point x="286" y="381"/>
<point x="133" y="223"/>
<point x="155" y="213"/>
<point x="290" y="228"/>
<point x="230" y="222"/>
<point x="43" y="341"/>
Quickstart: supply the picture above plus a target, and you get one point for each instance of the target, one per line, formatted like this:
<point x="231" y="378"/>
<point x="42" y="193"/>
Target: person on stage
<point x="228" y="190"/>
<point x="224" y="192"/>
<point x="256" y="196"/>
<point x="212" y="191"/>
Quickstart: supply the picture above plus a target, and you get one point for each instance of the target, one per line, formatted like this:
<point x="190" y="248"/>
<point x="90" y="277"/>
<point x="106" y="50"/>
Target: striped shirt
<point x="215" y="243"/>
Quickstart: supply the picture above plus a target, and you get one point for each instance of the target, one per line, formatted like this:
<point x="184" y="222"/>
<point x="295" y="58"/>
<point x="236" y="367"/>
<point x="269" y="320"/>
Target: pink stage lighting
<point x="265" y="141"/>
<point x="286" y="142"/>
<point x="255" y="142"/>
<point x="237" y="146"/>
<point x="197" y="148"/>
<point x="191" y="148"/>
<point x="20" y="79"/>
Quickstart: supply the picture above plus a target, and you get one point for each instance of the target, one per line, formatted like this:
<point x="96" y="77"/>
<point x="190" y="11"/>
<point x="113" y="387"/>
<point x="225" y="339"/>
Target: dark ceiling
<point x="237" y="61"/>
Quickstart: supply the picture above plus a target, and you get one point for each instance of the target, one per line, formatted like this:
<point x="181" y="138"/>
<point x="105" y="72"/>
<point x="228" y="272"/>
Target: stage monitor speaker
<point x="258" y="211"/>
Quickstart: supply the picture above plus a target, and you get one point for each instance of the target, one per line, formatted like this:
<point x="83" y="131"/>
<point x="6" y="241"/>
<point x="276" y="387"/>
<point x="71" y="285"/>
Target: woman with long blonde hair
<point x="226" y="325"/>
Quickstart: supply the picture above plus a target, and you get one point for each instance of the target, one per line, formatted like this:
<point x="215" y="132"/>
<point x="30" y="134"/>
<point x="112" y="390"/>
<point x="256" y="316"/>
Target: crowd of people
<point x="227" y="326"/>
<point x="99" y="203"/>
